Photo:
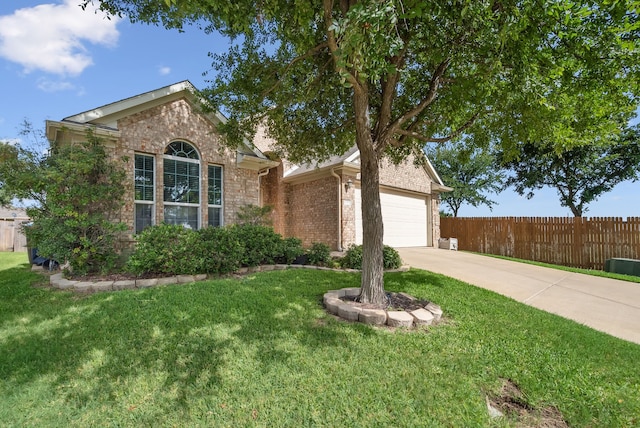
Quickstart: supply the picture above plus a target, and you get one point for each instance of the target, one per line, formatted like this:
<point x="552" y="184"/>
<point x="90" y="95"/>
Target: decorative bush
<point x="222" y="250"/>
<point x="261" y="244"/>
<point x="353" y="258"/>
<point x="290" y="249"/>
<point x="319" y="254"/>
<point x="256" y="215"/>
<point x="168" y="249"/>
<point x="80" y="192"/>
<point x="390" y="258"/>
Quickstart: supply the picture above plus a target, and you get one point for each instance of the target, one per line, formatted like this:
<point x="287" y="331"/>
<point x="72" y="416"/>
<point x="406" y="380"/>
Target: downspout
<point x="260" y="175"/>
<point x="339" y="208"/>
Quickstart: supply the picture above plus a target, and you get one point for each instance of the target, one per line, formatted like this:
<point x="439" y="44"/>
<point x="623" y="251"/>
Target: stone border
<point x="422" y="317"/>
<point x="58" y="281"/>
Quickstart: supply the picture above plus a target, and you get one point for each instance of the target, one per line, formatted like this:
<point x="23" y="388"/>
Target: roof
<point x="106" y="117"/>
<point x="351" y="158"/>
<point x="10" y="213"/>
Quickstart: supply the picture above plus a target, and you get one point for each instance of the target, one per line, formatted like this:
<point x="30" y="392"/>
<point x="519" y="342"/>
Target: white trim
<point x="200" y="164"/>
<point x="221" y="206"/>
<point x="140" y="201"/>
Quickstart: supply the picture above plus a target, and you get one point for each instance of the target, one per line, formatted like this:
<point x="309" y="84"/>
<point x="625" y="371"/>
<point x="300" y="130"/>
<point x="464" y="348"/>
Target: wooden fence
<point x="11" y="236"/>
<point x="569" y="241"/>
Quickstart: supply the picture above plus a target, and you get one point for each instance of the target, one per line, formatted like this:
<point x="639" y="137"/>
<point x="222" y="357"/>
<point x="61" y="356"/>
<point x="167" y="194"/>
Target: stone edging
<point x="58" y="280"/>
<point x="423" y="317"/>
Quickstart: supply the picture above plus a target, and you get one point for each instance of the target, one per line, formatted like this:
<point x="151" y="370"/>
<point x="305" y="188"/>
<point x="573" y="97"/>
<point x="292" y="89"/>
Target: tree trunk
<point x="372" y="285"/>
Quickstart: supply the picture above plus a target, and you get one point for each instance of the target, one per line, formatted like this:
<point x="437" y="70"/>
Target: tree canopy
<point x="580" y="174"/>
<point x="471" y="172"/>
<point x="393" y="75"/>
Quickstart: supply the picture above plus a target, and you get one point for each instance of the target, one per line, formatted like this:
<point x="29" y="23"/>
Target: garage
<point x="404" y="216"/>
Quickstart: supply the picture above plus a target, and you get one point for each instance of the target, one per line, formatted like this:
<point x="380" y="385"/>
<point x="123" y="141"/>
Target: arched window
<point x="182" y="185"/>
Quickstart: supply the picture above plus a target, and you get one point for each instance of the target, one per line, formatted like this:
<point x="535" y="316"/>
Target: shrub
<point x="290" y="249"/>
<point x="168" y="249"/>
<point x="319" y="254"/>
<point x="390" y="258"/>
<point x="222" y="250"/>
<point x="81" y="191"/>
<point x="261" y="244"/>
<point x="256" y="215"/>
<point x="353" y="258"/>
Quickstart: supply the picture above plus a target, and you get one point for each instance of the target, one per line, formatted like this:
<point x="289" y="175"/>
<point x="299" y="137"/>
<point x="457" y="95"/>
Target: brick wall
<point x="405" y="176"/>
<point x="313" y="214"/>
<point x="149" y="132"/>
<point x="273" y="193"/>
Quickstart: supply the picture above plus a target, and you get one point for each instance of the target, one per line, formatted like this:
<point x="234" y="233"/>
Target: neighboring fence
<point x="568" y="241"/>
<point x="11" y="236"/>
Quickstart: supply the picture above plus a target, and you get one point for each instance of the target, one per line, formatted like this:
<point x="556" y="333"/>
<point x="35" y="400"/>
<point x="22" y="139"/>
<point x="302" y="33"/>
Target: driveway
<point x="608" y="305"/>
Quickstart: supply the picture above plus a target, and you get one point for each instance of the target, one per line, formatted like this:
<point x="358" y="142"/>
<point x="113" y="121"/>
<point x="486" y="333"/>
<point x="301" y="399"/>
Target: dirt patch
<point x="512" y="403"/>
<point x="395" y="302"/>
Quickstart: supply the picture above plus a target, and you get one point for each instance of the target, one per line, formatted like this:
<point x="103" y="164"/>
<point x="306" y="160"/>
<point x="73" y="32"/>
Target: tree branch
<point x="332" y="43"/>
<point x="308" y="54"/>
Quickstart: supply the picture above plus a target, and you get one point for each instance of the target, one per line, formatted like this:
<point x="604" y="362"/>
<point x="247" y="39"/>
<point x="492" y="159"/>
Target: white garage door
<point x="404" y="217"/>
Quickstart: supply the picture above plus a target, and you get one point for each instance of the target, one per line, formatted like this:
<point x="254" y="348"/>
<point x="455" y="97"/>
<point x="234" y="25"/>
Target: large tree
<point x="470" y="171"/>
<point x="392" y="75"/>
<point x="579" y="174"/>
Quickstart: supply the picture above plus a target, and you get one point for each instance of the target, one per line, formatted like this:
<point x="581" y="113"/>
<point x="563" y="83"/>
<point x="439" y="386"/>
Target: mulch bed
<point x="395" y="302"/>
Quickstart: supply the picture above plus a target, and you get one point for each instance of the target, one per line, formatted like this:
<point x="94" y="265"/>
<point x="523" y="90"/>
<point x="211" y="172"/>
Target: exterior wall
<point x="149" y="132"/>
<point x="348" y="213"/>
<point x="313" y="211"/>
<point x="273" y="192"/>
<point x="435" y="215"/>
<point x="405" y="176"/>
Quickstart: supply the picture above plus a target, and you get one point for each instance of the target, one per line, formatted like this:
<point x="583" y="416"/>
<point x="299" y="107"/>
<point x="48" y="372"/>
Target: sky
<point x="57" y="60"/>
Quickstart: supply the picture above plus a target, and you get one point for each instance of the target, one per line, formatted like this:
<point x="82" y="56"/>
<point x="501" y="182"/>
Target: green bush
<point x="390" y="258"/>
<point x="261" y="244"/>
<point x="80" y="192"/>
<point x="319" y="254"/>
<point x="172" y="249"/>
<point x="290" y="249"/>
<point x="222" y="250"/>
<point x="168" y="249"/>
<point x="353" y="258"/>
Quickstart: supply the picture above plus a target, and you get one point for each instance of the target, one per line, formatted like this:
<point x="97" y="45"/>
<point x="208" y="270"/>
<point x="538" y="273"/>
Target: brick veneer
<point x="149" y="132"/>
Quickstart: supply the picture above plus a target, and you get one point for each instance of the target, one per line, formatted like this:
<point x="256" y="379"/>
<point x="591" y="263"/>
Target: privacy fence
<point x="11" y="236"/>
<point x="577" y="242"/>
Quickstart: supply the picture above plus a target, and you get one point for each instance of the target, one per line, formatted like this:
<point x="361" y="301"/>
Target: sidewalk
<point x="608" y="305"/>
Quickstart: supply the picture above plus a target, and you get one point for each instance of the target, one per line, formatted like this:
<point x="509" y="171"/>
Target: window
<point x="144" y="189"/>
<point x="182" y="185"/>
<point x="215" y="195"/>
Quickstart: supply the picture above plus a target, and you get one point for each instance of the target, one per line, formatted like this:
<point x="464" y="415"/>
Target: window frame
<point x="196" y="161"/>
<point x="137" y="202"/>
<point x="213" y="205"/>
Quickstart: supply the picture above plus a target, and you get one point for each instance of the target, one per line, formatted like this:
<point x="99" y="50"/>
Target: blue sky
<point x="57" y="60"/>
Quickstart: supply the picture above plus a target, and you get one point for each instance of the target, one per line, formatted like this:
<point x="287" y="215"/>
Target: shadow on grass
<point x="169" y="340"/>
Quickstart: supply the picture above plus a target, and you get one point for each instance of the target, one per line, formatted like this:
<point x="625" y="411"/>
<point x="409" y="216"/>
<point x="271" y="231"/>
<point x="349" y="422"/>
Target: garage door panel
<point x="404" y="217"/>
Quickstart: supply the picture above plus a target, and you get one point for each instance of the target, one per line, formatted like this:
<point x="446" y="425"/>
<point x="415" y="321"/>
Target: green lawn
<point x="261" y="351"/>
<point x="593" y="272"/>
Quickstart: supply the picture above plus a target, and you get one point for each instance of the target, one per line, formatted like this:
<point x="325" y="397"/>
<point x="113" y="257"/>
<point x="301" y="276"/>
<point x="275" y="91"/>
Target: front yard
<point x="261" y="351"/>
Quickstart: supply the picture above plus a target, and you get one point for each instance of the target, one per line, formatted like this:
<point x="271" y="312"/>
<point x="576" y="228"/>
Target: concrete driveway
<point x="608" y="305"/>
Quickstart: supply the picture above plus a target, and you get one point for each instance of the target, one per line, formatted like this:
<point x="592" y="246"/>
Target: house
<point x="181" y="174"/>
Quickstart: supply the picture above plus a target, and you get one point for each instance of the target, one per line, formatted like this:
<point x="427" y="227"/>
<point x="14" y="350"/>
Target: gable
<point x="179" y="109"/>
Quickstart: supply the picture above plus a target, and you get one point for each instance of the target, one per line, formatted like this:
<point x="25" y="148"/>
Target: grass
<point x="262" y="352"/>
<point x="594" y="272"/>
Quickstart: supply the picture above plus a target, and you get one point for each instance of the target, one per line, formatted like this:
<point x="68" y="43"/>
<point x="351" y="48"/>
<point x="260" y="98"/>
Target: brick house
<point x="181" y="174"/>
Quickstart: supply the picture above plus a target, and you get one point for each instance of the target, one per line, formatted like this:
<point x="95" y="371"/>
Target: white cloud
<point x="164" y="70"/>
<point x="11" y="141"/>
<point x="48" y="85"/>
<point x="53" y="37"/>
